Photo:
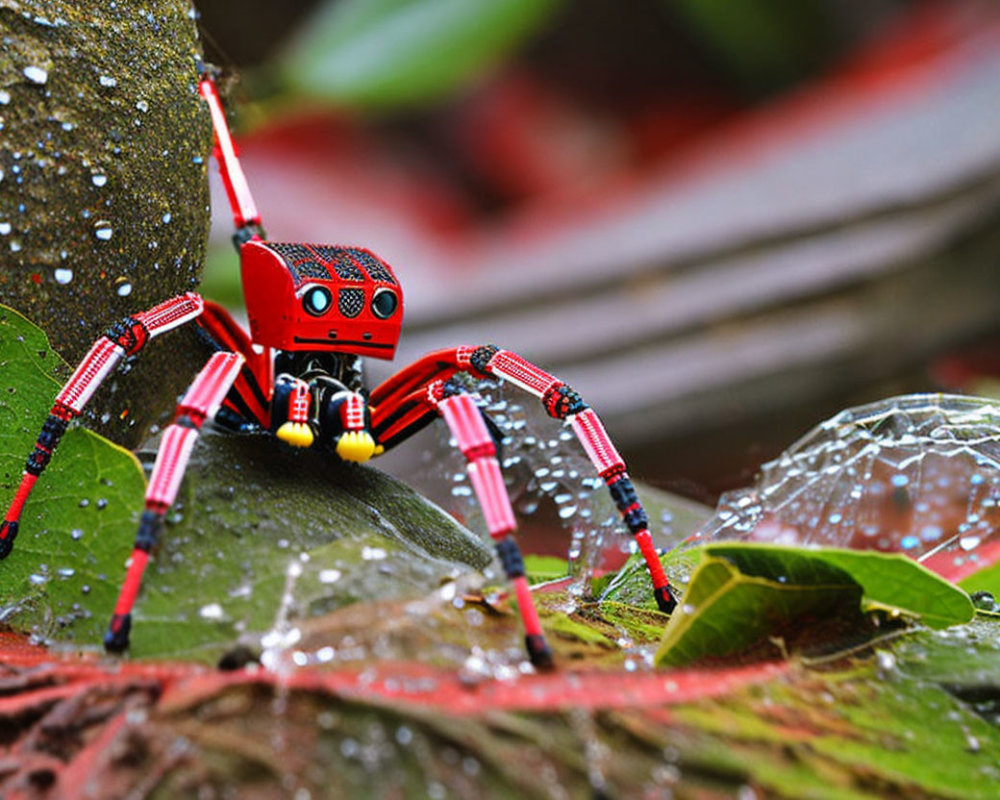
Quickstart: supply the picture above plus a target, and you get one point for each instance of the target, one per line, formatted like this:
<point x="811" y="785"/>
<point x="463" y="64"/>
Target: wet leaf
<point x="76" y="530"/>
<point x="545" y="568"/>
<point x="741" y="594"/>
<point x="985" y="580"/>
<point x="397" y="52"/>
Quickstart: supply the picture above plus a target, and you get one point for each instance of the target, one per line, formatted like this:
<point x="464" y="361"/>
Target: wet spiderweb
<point x="918" y="474"/>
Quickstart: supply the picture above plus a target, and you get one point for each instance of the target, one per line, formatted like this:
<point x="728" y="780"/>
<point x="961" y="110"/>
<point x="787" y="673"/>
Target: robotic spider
<point x="314" y="311"/>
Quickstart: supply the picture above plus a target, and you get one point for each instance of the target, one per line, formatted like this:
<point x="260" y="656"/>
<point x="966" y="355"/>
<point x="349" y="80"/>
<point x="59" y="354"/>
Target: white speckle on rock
<point x="36" y="74"/>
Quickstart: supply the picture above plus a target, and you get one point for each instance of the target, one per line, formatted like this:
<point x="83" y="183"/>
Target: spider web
<point x="919" y="474"/>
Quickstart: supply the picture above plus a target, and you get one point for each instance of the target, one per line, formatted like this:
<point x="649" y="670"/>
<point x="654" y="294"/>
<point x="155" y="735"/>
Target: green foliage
<point x="764" y="45"/>
<point x="741" y="594"/>
<point x="76" y="530"/>
<point x="389" y="53"/>
<point x="985" y="580"/>
<point x="541" y="569"/>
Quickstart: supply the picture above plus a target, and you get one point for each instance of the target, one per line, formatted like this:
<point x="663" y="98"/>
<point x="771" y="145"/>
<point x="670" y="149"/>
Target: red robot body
<point x="319" y="298"/>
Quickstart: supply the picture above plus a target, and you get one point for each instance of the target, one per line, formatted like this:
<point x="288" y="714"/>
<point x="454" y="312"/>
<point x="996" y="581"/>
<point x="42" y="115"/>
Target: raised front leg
<point x="125" y="338"/>
<point x="467" y="425"/>
<point x="200" y="402"/>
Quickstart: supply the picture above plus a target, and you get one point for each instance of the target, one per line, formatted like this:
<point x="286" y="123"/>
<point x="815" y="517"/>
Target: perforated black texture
<point x="375" y="268"/>
<point x="340" y="262"/>
<point x="300" y="260"/>
<point x="351" y="301"/>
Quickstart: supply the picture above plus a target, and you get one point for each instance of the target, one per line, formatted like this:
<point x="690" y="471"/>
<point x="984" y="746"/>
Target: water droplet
<point x="372" y="553"/>
<point x="36" y="74"/>
<point x="63" y="275"/>
<point x="103" y="230"/>
<point x="211" y="611"/>
<point x="15" y="246"/>
<point x="76" y="534"/>
<point x="124" y="288"/>
<point x="166" y="218"/>
<point x="909" y="542"/>
<point x="329" y="575"/>
<point x="4" y="97"/>
<point x="5" y="228"/>
<point x="143" y="106"/>
<point x="66" y="572"/>
<point x="107" y="81"/>
<point x="98" y="179"/>
<point x="102" y="503"/>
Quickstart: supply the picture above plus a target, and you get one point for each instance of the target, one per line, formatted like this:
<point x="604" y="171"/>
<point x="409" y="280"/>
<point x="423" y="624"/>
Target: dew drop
<point x="63" y="275"/>
<point x="166" y="218"/>
<point x="76" y="534"/>
<point x="98" y="179"/>
<point x="36" y="75"/>
<point x="124" y="289"/>
<point x="5" y="228"/>
<point x="211" y="611"/>
<point x="329" y="575"/>
<point x="107" y="81"/>
<point x="372" y="553"/>
<point x="143" y="106"/>
<point x="103" y="230"/>
<point x="4" y="97"/>
<point x="66" y="572"/>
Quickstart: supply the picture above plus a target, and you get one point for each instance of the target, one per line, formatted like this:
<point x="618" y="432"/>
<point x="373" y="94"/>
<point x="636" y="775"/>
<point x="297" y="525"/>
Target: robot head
<point x="318" y="297"/>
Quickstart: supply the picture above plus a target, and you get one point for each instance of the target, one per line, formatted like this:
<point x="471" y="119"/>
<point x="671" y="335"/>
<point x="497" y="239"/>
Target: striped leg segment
<point x="125" y="338"/>
<point x="467" y="425"/>
<point x="562" y="402"/>
<point x="200" y="403"/>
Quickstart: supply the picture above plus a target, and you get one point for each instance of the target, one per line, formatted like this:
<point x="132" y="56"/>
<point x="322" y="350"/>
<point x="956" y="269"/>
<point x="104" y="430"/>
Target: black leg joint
<point x="636" y="520"/>
<point x="8" y="533"/>
<point x="665" y="599"/>
<point x="116" y="639"/>
<point x="561" y="401"/>
<point x="129" y="334"/>
<point x="52" y="432"/>
<point x="539" y="652"/>
<point x="623" y="493"/>
<point x="510" y="557"/>
<point x="150" y="527"/>
<point x="482" y="356"/>
<point x="37" y="461"/>
<point x="246" y="233"/>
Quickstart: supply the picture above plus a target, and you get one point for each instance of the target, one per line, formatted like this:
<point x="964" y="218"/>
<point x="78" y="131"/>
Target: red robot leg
<point x="466" y="423"/>
<point x="399" y="409"/>
<point x="126" y="338"/>
<point x="200" y="403"/>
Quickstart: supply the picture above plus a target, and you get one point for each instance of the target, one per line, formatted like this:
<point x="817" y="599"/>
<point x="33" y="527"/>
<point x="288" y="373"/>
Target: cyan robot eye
<point x="317" y="300"/>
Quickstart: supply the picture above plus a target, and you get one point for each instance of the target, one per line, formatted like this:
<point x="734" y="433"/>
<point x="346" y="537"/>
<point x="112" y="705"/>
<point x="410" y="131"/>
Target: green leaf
<point x="541" y="569"/>
<point x="76" y="530"/>
<point x="891" y="582"/>
<point x="400" y="52"/>
<point x="985" y="580"/>
<point x="725" y="611"/>
<point x="741" y="594"/>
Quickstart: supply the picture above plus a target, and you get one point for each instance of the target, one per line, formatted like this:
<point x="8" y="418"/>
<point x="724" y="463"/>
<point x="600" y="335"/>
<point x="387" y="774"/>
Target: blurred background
<point x="720" y="222"/>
